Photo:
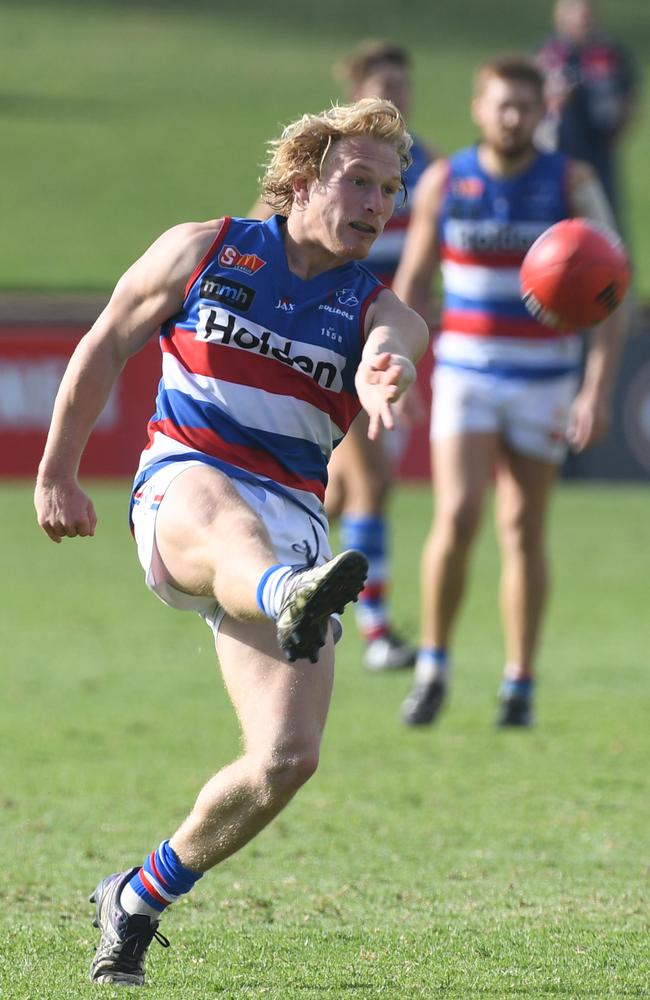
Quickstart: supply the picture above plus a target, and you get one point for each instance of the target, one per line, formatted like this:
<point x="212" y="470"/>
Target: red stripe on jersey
<point x="207" y="256"/>
<point x="261" y="463"/>
<point x="230" y="364"/>
<point x="492" y="259"/>
<point x="480" y="324"/>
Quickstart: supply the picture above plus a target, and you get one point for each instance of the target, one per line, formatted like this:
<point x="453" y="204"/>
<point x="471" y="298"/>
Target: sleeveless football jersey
<point x="486" y="226"/>
<point x="258" y="365"/>
<point x="387" y="249"/>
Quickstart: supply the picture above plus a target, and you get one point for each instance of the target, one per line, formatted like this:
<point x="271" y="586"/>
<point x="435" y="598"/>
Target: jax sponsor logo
<point x="218" y="326"/>
<point x="218" y="289"/>
<point x="249" y="263"/>
<point x="286" y="305"/>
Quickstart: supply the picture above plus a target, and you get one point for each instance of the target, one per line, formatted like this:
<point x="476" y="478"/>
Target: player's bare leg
<point x="360" y="479"/>
<point x="282" y="710"/>
<point x="463" y="469"/>
<point x="212" y="543"/>
<point x="523" y="492"/>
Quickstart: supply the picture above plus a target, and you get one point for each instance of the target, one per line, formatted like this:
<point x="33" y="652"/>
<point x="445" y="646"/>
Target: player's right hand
<point x="63" y="510"/>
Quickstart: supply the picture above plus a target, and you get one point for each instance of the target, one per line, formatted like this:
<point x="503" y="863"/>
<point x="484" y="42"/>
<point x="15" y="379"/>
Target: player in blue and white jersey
<point x="504" y="385"/>
<point x="272" y="337"/>
<point x="361" y="470"/>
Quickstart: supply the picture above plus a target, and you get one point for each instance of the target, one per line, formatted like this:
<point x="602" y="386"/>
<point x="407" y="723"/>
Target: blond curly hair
<point x="301" y="149"/>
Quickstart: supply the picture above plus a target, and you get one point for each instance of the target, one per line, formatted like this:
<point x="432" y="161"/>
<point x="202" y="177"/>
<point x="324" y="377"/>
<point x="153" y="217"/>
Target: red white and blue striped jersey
<point x="386" y="251"/>
<point x="258" y="365"/>
<point x="486" y="225"/>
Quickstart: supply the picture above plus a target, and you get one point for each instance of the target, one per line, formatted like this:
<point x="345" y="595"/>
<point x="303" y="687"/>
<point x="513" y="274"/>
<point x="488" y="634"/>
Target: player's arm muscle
<point x="591" y="412"/>
<point x="420" y="257"/>
<point x="146" y="295"/>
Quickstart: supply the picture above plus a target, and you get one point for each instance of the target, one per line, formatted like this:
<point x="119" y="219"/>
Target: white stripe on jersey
<point x="459" y="348"/>
<point x="472" y="281"/>
<point x="265" y="411"/>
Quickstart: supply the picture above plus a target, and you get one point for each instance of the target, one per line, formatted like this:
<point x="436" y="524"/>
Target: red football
<point x="575" y="274"/>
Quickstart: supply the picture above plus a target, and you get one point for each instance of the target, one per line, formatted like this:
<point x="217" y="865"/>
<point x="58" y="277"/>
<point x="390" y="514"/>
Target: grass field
<point x="458" y="862"/>
<point x="121" y="118"/>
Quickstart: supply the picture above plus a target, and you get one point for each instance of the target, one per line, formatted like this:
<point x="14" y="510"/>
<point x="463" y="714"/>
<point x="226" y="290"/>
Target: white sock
<point x="270" y="589"/>
<point x="132" y="903"/>
<point x="431" y="665"/>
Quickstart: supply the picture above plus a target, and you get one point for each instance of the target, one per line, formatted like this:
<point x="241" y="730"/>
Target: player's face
<point x="390" y="83"/>
<point x="354" y="198"/>
<point x="508" y="113"/>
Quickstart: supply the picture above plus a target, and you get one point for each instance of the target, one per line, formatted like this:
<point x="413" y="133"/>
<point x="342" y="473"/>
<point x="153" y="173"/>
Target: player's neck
<point x="306" y="257"/>
<point x="498" y="165"/>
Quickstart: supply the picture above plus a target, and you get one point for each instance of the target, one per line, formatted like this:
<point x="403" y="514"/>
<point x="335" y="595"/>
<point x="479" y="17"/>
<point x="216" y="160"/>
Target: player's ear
<point x="300" y="187"/>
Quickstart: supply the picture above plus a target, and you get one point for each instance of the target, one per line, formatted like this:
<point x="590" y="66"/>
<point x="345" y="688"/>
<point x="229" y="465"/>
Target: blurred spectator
<point x="591" y="89"/>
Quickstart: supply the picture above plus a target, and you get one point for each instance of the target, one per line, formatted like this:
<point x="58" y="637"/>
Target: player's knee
<point x="520" y="533"/>
<point x="459" y="523"/>
<point x="284" y="772"/>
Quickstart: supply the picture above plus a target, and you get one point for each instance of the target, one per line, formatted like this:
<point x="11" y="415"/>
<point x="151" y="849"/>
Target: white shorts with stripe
<point x="531" y="414"/>
<point x="294" y="534"/>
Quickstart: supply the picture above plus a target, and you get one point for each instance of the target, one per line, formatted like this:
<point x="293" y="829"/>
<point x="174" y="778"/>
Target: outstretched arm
<point x="150" y="292"/>
<point x="396" y="340"/>
<point x="592" y="408"/>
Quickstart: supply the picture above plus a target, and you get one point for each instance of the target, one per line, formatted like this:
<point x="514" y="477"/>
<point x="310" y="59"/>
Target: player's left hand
<point x="589" y="420"/>
<point x="380" y="381"/>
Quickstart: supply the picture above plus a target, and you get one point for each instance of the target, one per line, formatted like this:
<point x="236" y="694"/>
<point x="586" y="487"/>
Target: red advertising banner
<point x="32" y="361"/>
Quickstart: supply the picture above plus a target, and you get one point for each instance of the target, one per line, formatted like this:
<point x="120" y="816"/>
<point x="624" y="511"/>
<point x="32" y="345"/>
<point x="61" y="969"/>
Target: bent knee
<point x="459" y="523"/>
<point x="282" y="774"/>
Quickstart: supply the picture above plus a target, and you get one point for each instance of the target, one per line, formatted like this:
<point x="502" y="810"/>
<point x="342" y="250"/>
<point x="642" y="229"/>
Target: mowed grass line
<point x="458" y="862"/>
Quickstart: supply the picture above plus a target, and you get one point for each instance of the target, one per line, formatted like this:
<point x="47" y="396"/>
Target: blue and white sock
<point x="368" y="534"/>
<point x="158" y="883"/>
<point x="432" y="664"/>
<point x="517" y="687"/>
<point x="270" y="589"/>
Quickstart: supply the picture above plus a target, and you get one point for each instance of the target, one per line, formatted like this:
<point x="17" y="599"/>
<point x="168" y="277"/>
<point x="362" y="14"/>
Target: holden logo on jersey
<point x="285" y="305"/>
<point x="219" y="289"/>
<point x="346" y="297"/>
<point x="218" y="326"/>
<point x="250" y="263"/>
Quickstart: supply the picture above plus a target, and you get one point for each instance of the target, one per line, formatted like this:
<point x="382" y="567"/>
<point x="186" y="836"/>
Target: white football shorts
<point x="290" y="528"/>
<point x="531" y="414"/>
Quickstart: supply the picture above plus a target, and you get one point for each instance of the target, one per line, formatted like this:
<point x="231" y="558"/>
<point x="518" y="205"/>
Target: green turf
<point x="458" y="862"/>
<point x="122" y="118"/>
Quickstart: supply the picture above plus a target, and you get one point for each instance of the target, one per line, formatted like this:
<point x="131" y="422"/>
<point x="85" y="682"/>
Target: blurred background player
<point x="361" y="471"/>
<point x="504" y="385"/>
<point x="591" y="91"/>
